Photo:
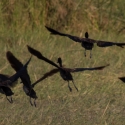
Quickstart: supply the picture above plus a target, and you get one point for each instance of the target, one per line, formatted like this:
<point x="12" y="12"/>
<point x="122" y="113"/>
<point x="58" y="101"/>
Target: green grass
<point x="101" y="96"/>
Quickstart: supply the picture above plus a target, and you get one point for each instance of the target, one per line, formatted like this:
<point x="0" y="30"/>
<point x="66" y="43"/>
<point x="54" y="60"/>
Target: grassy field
<point x="101" y="96"/>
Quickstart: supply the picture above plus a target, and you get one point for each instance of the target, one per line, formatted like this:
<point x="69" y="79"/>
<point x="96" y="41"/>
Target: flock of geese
<point x="6" y="82"/>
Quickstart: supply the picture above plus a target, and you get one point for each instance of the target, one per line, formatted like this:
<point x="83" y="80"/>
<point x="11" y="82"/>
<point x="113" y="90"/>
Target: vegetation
<point x="101" y="96"/>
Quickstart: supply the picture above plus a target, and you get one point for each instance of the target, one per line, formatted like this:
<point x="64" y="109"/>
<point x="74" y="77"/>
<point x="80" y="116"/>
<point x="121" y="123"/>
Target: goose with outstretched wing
<point x="86" y="42"/>
<point x="64" y="72"/>
<point x="25" y="79"/>
<point x="9" y="81"/>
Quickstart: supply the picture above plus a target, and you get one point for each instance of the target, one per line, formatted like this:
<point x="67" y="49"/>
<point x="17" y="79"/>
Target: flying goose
<point x="64" y="72"/>
<point x="86" y="42"/>
<point x="8" y="81"/>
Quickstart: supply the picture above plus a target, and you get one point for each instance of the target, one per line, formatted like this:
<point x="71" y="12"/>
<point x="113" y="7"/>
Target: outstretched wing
<point x="107" y="44"/>
<point x="54" y="32"/>
<point x="50" y="73"/>
<point x="40" y="56"/>
<point x="17" y="65"/>
<point x="84" y="69"/>
<point x="74" y="38"/>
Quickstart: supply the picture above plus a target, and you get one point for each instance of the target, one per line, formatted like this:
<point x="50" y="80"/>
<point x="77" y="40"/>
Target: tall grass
<point x="77" y="16"/>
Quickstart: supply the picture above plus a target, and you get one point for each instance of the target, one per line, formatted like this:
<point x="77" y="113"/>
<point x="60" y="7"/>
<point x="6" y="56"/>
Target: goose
<point x="65" y="73"/>
<point x="8" y="81"/>
<point x="25" y="79"/>
<point x="86" y="42"/>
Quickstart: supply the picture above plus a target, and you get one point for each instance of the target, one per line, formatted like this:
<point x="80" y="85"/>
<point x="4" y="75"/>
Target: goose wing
<point x="74" y="38"/>
<point x="84" y="69"/>
<point x="40" y="56"/>
<point x="107" y="44"/>
<point x="50" y="73"/>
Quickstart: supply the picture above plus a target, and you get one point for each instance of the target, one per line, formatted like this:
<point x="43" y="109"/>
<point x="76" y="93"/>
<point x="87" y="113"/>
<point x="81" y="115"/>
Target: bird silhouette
<point x="64" y="72"/>
<point x="8" y="81"/>
<point x="86" y="42"/>
<point x="25" y="79"/>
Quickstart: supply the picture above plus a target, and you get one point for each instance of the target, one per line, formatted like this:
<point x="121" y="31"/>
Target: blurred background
<point x="72" y="15"/>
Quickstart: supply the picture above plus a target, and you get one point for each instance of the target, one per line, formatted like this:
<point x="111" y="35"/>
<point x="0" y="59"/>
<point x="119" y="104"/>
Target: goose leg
<point x="74" y="85"/>
<point x="9" y="100"/>
<point x="85" y="53"/>
<point x="90" y="53"/>
<point x="35" y="102"/>
<point x="31" y="102"/>
<point x="70" y="89"/>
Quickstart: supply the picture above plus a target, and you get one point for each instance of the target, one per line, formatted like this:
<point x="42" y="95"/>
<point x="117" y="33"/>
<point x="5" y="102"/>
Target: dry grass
<point x="73" y="15"/>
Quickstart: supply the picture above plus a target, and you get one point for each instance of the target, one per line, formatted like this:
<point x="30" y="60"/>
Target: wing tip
<point x="104" y="66"/>
<point x="52" y="31"/>
<point x="35" y="52"/>
<point x="120" y="46"/>
<point x="122" y="78"/>
<point x="46" y="27"/>
<point x="108" y="65"/>
<point x="10" y="57"/>
<point x="29" y="48"/>
<point x="8" y="54"/>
